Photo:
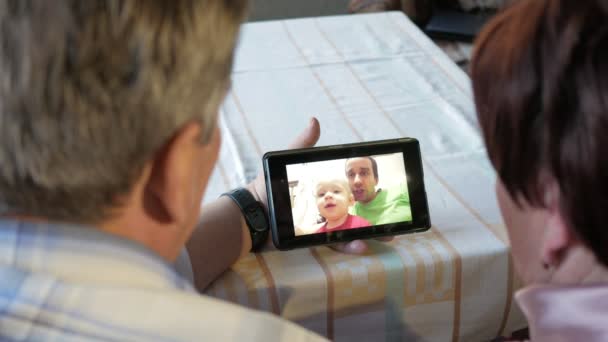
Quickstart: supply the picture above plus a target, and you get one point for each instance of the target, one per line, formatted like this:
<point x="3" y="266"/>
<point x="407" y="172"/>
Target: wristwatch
<point x="255" y="217"/>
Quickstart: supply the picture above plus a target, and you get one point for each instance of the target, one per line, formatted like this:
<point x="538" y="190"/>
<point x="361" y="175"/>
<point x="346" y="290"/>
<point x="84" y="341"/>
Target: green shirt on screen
<point x="390" y="206"/>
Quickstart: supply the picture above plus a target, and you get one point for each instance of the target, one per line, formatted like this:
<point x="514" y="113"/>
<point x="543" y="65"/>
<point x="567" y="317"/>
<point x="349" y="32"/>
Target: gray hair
<point x="91" y="90"/>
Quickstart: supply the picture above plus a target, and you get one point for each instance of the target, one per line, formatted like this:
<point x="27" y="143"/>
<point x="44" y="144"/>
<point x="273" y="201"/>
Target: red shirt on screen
<point x="351" y="222"/>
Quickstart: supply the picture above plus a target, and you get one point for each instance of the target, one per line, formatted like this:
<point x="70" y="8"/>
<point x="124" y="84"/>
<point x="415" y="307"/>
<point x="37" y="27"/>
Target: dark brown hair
<point x="540" y="80"/>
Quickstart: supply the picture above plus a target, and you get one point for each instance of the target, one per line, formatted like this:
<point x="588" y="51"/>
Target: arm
<point x="219" y="239"/>
<point x="222" y="236"/>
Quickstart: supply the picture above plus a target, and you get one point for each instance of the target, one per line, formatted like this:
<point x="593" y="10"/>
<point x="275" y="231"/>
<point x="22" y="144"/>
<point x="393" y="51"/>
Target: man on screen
<point x="378" y="206"/>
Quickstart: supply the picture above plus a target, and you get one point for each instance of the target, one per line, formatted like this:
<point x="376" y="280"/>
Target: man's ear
<point x="172" y="183"/>
<point x="558" y="237"/>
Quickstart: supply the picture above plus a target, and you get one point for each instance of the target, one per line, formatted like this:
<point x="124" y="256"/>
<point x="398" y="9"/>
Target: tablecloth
<point x="369" y="77"/>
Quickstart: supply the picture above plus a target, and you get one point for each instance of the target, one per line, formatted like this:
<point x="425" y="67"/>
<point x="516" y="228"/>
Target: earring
<point x="547" y="266"/>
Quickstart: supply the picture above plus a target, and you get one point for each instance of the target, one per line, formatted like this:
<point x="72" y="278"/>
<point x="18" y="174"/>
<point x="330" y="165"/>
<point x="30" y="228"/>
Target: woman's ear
<point x="558" y="236"/>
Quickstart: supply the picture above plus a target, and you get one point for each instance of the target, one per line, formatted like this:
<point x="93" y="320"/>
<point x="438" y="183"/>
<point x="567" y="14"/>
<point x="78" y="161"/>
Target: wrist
<point x="254" y="223"/>
<point x="231" y="209"/>
<point x="253" y="190"/>
<point x="246" y="242"/>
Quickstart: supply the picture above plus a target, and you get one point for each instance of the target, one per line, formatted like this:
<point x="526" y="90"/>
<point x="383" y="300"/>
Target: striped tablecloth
<point x="369" y="77"/>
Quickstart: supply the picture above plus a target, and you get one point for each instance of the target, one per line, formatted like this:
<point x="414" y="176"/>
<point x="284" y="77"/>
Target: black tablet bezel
<point x="280" y="211"/>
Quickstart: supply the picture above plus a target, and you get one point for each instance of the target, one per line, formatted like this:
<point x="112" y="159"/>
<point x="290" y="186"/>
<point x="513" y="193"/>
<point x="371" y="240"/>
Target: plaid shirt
<point x="74" y="283"/>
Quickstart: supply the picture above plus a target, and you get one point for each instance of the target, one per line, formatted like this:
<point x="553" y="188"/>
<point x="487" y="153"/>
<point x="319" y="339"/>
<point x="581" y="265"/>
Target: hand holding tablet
<point x="341" y="193"/>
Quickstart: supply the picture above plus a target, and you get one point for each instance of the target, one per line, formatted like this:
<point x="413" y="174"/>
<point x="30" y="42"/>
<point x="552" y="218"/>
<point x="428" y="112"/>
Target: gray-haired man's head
<point x="90" y="90"/>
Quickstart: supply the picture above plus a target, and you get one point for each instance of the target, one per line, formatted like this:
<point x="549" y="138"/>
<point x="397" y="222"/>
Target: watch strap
<point x="254" y="214"/>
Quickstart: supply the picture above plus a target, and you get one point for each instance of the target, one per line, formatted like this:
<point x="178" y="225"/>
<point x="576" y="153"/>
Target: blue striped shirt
<point x="73" y="283"/>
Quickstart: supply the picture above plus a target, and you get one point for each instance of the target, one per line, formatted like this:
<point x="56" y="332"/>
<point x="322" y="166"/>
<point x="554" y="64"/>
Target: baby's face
<point x="333" y="200"/>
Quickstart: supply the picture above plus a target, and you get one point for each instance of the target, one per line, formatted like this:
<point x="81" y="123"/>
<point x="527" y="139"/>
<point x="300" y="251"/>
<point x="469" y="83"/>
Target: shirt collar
<point x="84" y="254"/>
<point x="565" y="313"/>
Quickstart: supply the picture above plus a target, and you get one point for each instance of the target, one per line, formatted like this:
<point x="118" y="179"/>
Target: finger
<point x="353" y="247"/>
<point x="309" y="136"/>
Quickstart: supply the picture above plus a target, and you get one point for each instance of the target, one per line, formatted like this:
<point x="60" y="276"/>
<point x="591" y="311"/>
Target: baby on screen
<point x="334" y="198"/>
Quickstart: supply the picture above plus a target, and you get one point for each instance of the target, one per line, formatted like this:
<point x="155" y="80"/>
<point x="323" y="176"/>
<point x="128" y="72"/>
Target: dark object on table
<point x="419" y="11"/>
<point x="453" y="24"/>
<point x="370" y="6"/>
<point x="440" y="19"/>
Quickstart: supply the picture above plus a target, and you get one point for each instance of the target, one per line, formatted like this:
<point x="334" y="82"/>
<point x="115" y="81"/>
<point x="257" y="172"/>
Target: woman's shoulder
<point x="575" y="312"/>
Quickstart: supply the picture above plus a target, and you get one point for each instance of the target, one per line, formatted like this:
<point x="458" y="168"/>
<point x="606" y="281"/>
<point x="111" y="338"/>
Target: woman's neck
<point x="579" y="267"/>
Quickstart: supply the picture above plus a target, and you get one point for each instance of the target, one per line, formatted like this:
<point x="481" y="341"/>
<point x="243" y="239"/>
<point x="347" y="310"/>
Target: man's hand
<point x="308" y="138"/>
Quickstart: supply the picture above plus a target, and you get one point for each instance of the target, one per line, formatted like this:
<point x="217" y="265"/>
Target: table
<point x="369" y="77"/>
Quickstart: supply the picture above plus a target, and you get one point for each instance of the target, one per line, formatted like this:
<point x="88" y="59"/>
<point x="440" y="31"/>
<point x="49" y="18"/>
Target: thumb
<point x="309" y="137"/>
<point x="354" y="247"/>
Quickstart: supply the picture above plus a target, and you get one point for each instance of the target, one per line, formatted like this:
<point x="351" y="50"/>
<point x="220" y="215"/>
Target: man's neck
<point x="373" y="197"/>
<point x="167" y="241"/>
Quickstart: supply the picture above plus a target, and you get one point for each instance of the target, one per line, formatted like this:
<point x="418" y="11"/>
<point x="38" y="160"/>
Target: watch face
<point x="258" y="220"/>
<point x="260" y="229"/>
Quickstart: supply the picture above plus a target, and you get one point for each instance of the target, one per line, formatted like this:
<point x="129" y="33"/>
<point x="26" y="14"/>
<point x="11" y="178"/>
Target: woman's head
<point x="540" y="80"/>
